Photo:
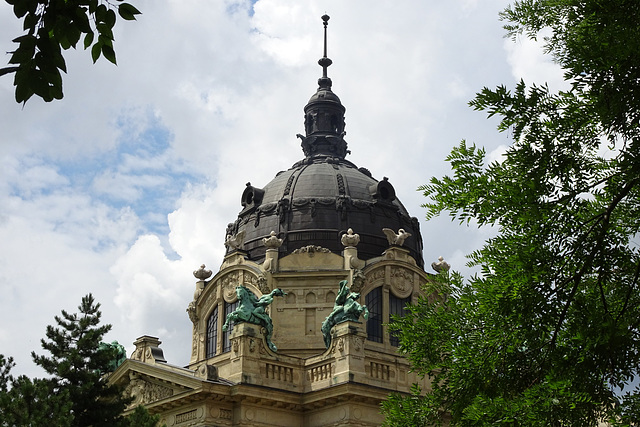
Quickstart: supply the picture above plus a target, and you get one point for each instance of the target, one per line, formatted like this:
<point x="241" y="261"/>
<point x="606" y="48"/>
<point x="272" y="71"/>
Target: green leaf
<point x="20" y="8"/>
<point x="105" y="31"/>
<point x="95" y="51"/>
<point x="110" y="18"/>
<point x="81" y="20"/>
<point x="127" y="11"/>
<point x="73" y="35"/>
<point x="88" y="39"/>
<point x="109" y="53"/>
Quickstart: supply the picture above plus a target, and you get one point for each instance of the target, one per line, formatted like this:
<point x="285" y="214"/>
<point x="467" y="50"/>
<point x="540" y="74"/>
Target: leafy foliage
<point x="55" y="25"/>
<point x="548" y="333"/>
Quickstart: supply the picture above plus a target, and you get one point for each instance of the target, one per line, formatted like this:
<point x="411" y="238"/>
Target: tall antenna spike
<point x="324" y="61"/>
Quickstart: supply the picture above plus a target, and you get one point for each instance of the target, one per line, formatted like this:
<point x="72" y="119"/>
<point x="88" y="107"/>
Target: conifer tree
<point x="26" y="402"/>
<point x="77" y="393"/>
<point x="76" y="364"/>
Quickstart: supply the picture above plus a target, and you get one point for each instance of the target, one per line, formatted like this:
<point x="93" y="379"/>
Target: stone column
<point x="246" y="344"/>
<point x="348" y="349"/>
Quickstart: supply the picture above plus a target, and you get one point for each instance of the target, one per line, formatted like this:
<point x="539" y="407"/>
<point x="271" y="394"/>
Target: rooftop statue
<point x="345" y="309"/>
<point x="119" y="354"/>
<point x="251" y="309"/>
<point x="396" y="239"/>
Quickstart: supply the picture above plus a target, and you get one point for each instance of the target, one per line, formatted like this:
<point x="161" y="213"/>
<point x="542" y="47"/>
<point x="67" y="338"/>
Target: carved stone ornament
<point x="396" y="238"/>
<point x="311" y="249"/>
<point x="228" y="284"/>
<point x="272" y="242"/>
<point x="441" y="265"/>
<point x="207" y="372"/>
<point x="375" y="276"/>
<point x="357" y="343"/>
<point x="401" y="281"/>
<point x="144" y="392"/>
<point x="235" y="241"/>
<point x="191" y="310"/>
<point x="358" y="281"/>
<point x="350" y="239"/>
<point x="202" y="273"/>
<point x="263" y="285"/>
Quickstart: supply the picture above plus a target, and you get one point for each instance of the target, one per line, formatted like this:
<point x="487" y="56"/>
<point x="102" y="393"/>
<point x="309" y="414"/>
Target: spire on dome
<point x="324" y="115"/>
<point x="324" y="62"/>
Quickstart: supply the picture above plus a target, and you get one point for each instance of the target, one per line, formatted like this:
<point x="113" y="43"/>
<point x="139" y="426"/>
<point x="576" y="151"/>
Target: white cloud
<point x="206" y="98"/>
<point x="529" y="62"/>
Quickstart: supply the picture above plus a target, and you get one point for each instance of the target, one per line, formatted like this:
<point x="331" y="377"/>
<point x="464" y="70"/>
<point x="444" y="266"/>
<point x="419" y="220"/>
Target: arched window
<point x="212" y="333"/>
<point x="397" y="307"/>
<point x="226" y="342"/>
<point x="373" y="302"/>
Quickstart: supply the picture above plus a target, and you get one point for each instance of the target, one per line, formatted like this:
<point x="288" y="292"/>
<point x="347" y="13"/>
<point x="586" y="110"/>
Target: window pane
<point x="373" y="301"/>
<point x="226" y="343"/>
<point x="397" y="307"/>
<point x="212" y="333"/>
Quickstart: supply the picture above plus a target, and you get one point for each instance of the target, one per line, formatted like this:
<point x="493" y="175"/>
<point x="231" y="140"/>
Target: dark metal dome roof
<point x="315" y="202"/>
<point x="319" y="198"/>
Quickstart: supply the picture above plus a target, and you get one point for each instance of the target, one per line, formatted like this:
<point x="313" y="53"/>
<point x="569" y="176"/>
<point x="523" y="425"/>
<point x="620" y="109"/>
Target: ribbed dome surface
<point x="318" y="200"/>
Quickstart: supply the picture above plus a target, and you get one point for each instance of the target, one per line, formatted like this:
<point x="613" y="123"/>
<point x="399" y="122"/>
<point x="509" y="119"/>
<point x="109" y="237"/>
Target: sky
<point x="125" y="187"/>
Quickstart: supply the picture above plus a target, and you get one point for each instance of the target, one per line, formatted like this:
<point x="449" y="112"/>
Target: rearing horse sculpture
<point x="346" y="308"/>
<point x="251" y="309"/>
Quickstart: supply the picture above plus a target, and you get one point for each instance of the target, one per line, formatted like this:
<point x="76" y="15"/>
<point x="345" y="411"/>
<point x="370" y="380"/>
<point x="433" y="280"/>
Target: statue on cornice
<point x="396" y="238"/>
<point x="118" y="352"/>
<point x="346" y="308"/>
<point x="251" y="309"/>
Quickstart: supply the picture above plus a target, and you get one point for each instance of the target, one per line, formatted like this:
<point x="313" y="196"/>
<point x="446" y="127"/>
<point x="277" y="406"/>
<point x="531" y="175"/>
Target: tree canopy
<point x="77" y="392"/>
<point x="547" y="333"/>
<point x="52" y="26"/>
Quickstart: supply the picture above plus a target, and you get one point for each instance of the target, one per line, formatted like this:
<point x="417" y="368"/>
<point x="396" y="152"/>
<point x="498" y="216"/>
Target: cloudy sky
<point x="125" y="187"/>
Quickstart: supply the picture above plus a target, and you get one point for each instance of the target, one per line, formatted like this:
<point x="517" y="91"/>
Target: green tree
<point x="52" y="26"/>
<point x="547" y="333"/>
<point x="26" y="402"/>
<point x="140" y="417"/>
<point x="76" y="363"/>
<point x="77" y="393"/>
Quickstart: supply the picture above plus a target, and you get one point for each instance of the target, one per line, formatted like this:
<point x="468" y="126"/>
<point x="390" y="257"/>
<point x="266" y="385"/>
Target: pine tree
<point x="26" y="402"/>
<point x="76" y="363"/>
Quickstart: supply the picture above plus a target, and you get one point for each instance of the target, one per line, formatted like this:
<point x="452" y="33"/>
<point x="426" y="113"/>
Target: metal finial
<point x="324" y="61"/>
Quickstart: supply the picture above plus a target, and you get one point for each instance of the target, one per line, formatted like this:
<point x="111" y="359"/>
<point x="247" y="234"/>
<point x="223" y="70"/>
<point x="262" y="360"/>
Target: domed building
<point x="292" y="329"/>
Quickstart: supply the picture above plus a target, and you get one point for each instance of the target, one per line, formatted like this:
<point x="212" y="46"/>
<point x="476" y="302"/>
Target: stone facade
<point x="302" y="384"/>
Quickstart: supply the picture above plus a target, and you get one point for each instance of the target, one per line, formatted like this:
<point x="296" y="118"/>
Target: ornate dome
<point x="320" y="197"/>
